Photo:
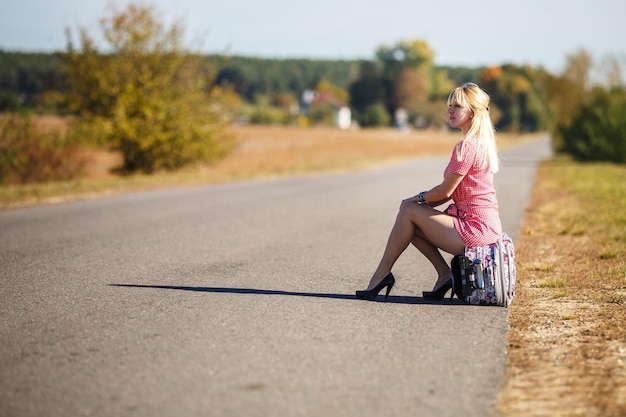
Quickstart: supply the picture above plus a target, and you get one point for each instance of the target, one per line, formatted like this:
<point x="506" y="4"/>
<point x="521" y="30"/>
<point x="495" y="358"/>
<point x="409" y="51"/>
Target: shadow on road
<point x="221" y="290"/>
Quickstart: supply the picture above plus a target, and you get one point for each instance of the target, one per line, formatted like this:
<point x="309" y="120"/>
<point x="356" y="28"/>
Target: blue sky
<point x="467" y="33"/>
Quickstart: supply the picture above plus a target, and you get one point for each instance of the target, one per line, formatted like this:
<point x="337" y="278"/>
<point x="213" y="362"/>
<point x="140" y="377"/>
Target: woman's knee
<point x="407" y="209"/>
<point x="413" y="209"/>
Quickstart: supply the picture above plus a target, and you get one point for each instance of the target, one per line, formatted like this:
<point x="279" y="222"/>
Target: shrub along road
<point x="238" y="299"/>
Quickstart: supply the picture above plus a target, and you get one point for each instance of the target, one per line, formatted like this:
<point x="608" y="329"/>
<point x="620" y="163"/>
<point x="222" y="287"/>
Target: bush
<point x="147" y="94"/>
<point x="268" y="115"/>
<point x="598" y="131"/>
<point x="374" y="116"/>
<point x="322" y="114"/>
<point x="28" y="156"/>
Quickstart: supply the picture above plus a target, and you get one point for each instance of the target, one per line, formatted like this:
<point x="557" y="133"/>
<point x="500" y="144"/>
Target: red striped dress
<point x="474" y="207"/>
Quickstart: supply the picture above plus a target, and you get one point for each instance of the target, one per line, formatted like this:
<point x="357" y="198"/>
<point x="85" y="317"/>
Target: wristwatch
<point x="420" y="198"/>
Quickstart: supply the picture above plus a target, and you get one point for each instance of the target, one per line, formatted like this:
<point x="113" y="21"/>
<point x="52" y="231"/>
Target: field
<point x="567" y="342"/>
<point x="261" y="152"/>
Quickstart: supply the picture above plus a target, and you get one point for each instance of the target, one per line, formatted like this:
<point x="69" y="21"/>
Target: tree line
<point x="36" y="81"/>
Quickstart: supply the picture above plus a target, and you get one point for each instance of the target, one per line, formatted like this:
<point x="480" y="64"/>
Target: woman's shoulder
<point x="467" y="145"/>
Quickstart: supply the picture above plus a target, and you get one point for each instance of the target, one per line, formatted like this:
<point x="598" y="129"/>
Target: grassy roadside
<point x="567" y="341"/>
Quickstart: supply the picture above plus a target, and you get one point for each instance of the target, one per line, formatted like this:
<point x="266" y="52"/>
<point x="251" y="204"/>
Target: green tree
<point x="408" y="73"/>
<point x="258" y="76"/>
<point x="25" y="78"/>
<point x="368" y="90"/>
<point x="326" y="87"/>
<point x="441" y="85"/>
<point x="519" y="99"/>
<point x="597" y="132"/>
<point x="568" y="92"/>
<point x="148" y="96"/>
<point x="374" y="116"/>
<point x="414" y="54"/>
<point x="571" y="89"/>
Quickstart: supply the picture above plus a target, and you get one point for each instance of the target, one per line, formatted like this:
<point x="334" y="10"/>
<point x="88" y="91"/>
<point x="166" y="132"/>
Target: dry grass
<point x="288" y="150"/>
<point x="261" y="152"/>
<point x="567" y="342"/>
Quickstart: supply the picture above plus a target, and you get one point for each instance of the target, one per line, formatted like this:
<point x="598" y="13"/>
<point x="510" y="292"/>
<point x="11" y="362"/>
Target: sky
<point x="468" y="33"/>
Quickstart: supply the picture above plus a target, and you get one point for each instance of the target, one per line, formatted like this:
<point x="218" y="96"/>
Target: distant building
<point x="343" y="117"/>
<point x="343" y="114"/>
<point x="401" y="117"/>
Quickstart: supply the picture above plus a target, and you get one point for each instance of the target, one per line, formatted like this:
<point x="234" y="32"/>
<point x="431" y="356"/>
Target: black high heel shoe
<point x="440" y="292"/>
<point x="371" y="295"/>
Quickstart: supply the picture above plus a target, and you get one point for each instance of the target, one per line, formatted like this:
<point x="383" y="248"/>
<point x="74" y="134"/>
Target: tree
<point x="147" y="95"/>
<point x="326" y="87"/>
<point x="568" y="92"/>
<point x="441" y="85"/>
<point x="265" y="76"/>
<point x="374" y="116"/>
<point x="25" y="78"/>
<point x="409" y="89"/>
<point x="367" y="90"/>
<point x="519" y="101"/>
<point x="408" y="73"/>
<point x="597" y="132"/>
<point x="414" y="54"/>
<point x="571" y="89"/>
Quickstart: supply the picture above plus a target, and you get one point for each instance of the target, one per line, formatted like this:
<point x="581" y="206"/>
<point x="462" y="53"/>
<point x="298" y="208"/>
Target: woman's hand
<point x="413" y="199"/>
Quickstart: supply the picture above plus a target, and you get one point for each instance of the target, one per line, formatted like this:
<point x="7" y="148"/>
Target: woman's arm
<point x="442" y="192"/>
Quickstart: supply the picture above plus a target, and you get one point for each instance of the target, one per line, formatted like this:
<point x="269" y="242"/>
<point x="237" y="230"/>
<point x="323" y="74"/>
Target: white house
<point x="343" y="114"/>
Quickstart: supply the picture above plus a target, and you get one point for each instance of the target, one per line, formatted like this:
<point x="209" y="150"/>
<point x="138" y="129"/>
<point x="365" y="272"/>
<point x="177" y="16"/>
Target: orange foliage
<point x="490" y="74"/>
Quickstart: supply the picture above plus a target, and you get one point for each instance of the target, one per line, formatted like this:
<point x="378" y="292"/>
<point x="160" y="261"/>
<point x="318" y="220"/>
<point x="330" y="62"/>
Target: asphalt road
<point x="238" y="300"/>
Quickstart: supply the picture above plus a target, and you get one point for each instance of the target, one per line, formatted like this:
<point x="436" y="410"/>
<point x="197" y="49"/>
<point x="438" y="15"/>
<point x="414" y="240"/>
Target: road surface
<point x="238" y="300"/>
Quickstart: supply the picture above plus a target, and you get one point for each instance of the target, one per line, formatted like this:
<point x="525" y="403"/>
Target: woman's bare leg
<point x="416" y="221"/>
<point x="432" y="253"/>
<point x="401" y="235"/>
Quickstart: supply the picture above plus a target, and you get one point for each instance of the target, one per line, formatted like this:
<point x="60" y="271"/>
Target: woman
<point x="471" y="220"/>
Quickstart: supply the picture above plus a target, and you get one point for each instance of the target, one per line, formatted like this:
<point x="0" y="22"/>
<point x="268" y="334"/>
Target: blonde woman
<point x="472" y="219"/>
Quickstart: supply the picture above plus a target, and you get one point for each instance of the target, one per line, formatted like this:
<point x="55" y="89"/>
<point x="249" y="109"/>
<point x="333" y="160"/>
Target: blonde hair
<point x="472" y="97"/>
